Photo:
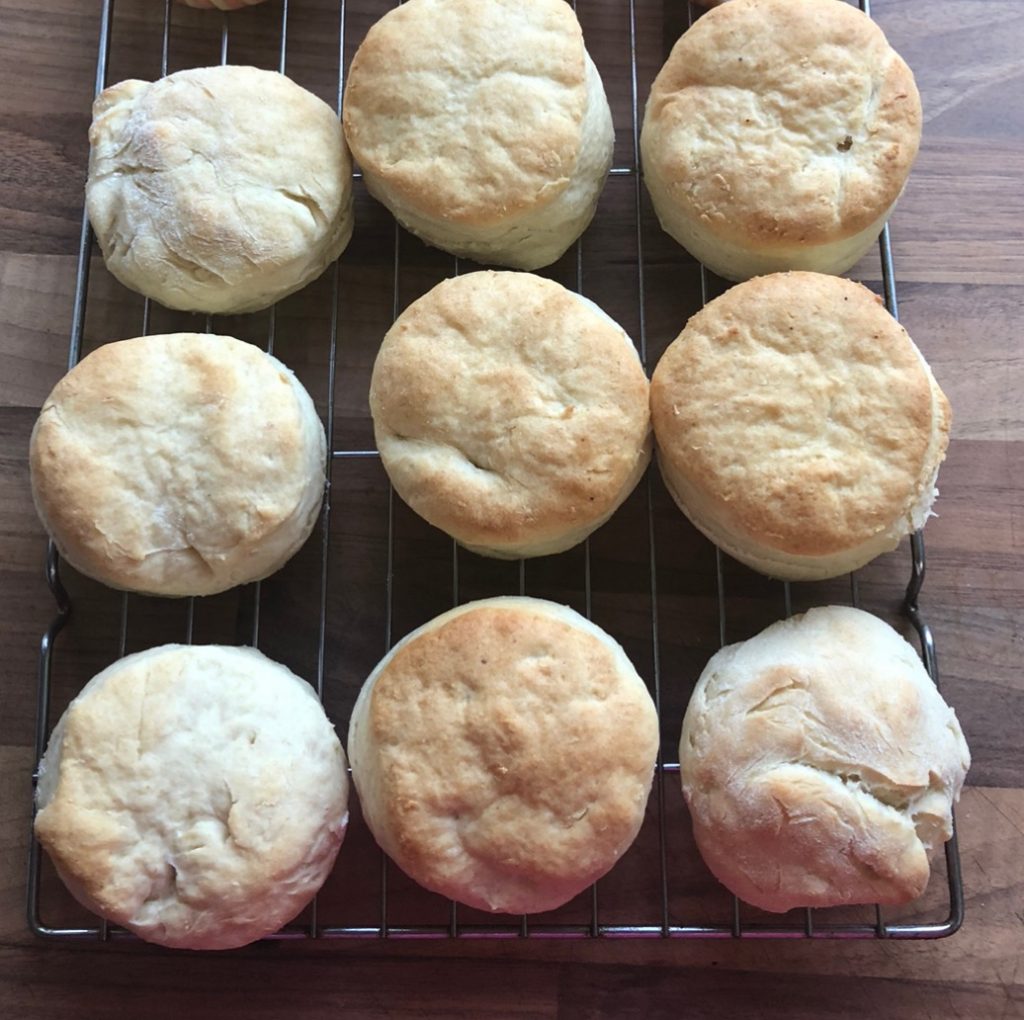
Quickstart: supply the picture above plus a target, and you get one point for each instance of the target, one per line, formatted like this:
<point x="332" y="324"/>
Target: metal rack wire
<point x="658" y="920"/>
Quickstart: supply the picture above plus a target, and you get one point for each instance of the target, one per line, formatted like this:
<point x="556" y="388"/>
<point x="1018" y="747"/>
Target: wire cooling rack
<point x="641" y="583"/>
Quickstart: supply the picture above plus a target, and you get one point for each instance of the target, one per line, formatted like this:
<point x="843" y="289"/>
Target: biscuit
<point x="182" y="464"/>
<point x="510" y="412"/>
<point x="798" y="426"/>
<point x="482" y="125"/>
<point x="820" y="764"/>
<point x="779" y="135"/>
<point x="195" y="795"/>
<point x="503" y="754"/>
<point x="217" y="189"/>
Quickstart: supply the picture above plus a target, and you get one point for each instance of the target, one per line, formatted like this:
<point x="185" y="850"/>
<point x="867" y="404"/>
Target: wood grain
<point x="960" y="258"/>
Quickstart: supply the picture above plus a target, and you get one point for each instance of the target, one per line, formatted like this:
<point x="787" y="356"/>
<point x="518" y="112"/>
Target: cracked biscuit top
<point x="504" y="753"/>
<point x="181" y="464"/>
<point x="217" y="189"/>
<point x="820" y="764"/>
<point x="196" y="795"/>
<point x="510" y="413"/>
<point x="782" y="122"/>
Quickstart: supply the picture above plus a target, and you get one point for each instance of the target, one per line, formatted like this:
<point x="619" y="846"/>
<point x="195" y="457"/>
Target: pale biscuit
<point x="510" y="413"/>
<point x="181" y="464"/>
<point x="820" y="764"/>
<point x="195" y="795"/>
<point x="798" y="426"/>
<point x="503" y="754"/>
<point x="482" y="125"/>
<point x="217" y="189"/>
<point x="779" y="135"/>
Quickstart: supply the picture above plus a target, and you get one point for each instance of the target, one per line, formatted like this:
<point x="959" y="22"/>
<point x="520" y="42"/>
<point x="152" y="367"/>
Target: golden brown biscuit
<point x="820" y="764"/>
<point x="510" y="413"/>
<point x="778" y="135"/>
<point x="503" y="754"/>
<point x="181" y="464"/>
<point x="798" y="426"/>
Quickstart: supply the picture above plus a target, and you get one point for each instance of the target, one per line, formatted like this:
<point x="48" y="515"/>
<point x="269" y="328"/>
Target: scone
<point x="798" y="426"/>
<point x="195" y="795"/>
<point x="820" y="764"/>
<point x="779" y="135"/>
<point x="182" y="464"/>
<point x="482" y="125"/>
<point x="503" y="754"/>
<point x="510" y="412"/>
<point x="217" y="189"/>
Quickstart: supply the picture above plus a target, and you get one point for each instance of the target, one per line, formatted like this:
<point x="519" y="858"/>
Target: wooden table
<point x="959" y="247"/>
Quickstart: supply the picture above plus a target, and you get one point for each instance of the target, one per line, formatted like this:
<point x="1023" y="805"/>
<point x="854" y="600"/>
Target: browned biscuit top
<point x="783" y="121"/>
<point x="801" y="412"/>
<point x="181" y="463"/>
<point x="509" y="411"/>
<point x="512" y="753"/>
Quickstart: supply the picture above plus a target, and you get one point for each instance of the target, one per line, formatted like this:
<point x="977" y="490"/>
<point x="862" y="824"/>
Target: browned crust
<point x="520" y="729"/>
<point x="801" y="411"/>
<point x="795" y="59"/>
<point x="196" y="435"/>
<point x="513" y="374"/>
